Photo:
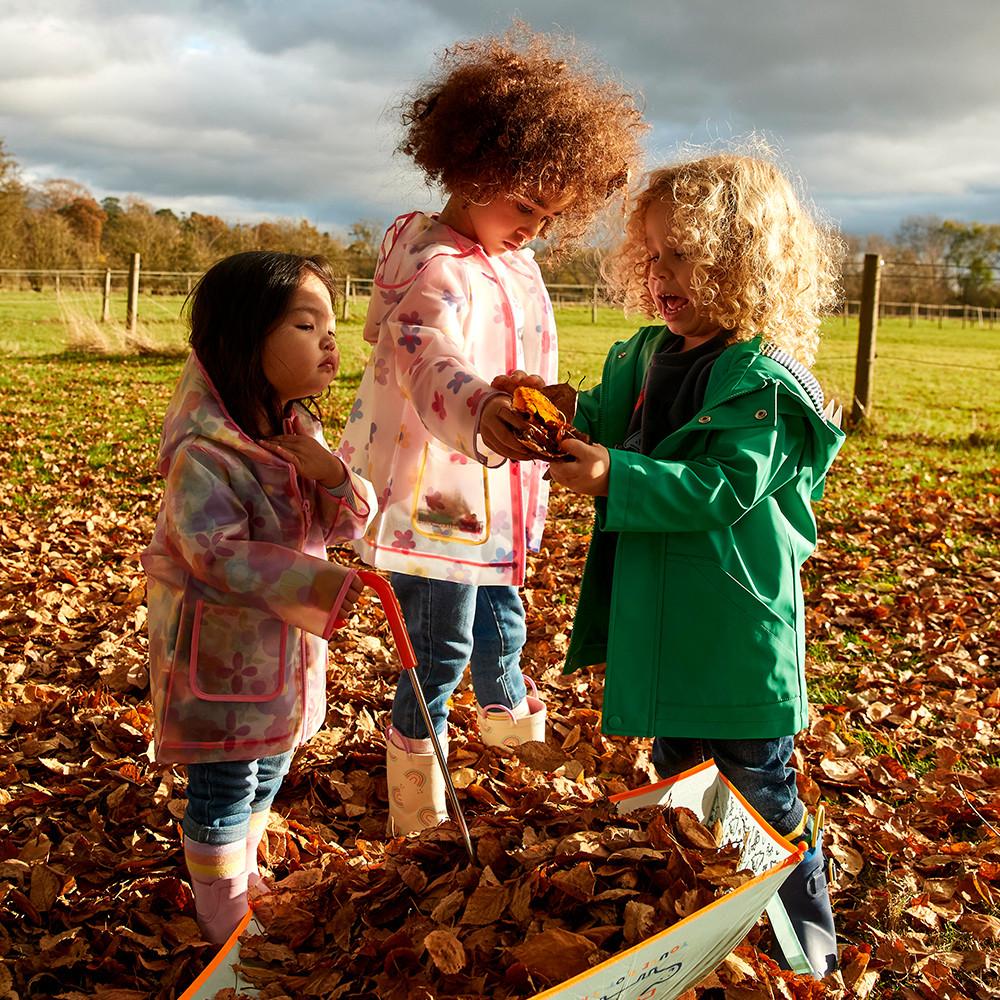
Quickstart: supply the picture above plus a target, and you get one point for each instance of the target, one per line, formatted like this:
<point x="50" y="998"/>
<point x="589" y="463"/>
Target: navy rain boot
<point x="805" y="896"/>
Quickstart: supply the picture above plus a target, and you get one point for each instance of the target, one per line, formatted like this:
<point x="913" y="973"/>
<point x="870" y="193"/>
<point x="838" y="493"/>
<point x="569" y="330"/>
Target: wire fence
<point x="152" y="284"/>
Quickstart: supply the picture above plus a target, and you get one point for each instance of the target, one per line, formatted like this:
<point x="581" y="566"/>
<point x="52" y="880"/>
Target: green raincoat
<point x="698" y="609"/>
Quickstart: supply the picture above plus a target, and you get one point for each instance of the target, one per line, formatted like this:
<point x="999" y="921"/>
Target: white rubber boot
<point x="416" y="784"/>
<point x="510" y="727"/>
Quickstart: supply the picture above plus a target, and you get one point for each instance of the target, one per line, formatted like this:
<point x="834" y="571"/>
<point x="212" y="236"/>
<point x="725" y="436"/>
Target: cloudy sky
<point x="256" y="109"/>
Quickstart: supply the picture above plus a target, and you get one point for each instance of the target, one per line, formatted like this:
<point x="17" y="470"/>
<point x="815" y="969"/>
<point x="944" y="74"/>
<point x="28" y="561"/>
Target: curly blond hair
<point x="763" y="263"/>
<point x="524" y="113"/>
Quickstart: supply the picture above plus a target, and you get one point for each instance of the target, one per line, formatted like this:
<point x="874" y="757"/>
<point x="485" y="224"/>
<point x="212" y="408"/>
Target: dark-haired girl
<point x="242" y="598"/>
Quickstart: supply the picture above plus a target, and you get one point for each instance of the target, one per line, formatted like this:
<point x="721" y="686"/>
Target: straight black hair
<point x="233" y="308"/>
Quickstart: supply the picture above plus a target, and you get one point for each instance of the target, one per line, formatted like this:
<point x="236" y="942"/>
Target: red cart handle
<point x="393" y="614"/>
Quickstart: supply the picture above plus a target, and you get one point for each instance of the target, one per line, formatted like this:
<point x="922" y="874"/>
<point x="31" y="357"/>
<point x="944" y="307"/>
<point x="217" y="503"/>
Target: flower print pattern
<point x="427" y="402"/>
<point x="409" y="324"/>
<point x="357" y="411"/>
<point x="239" y="587"/>
<point x="372" y="431"/>
<point x="346" y="452"/>
<point x="391" y="296"/>
<point x="473" y="401"/>
<point x="234" y="732"/>
<point x="404" y="540"/>
<point x="502" y="557"/>
<point x="410" y="341"/>
<point x="458" y="380"/>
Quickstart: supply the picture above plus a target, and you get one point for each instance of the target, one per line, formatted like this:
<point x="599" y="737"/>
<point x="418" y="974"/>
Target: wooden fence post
<point x="132" y="310"/>
<point x="106" y="300"/>
<point x="593" y="305"/>
<point x="867" y="326"/>
<point x="345" y="309"/>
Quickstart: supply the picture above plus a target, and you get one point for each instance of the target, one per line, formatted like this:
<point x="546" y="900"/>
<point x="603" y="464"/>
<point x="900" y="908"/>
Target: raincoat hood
<point x="196" y="410"/>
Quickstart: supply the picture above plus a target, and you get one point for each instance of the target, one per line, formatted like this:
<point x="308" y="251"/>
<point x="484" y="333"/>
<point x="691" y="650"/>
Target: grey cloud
<point x="258" y="107"/>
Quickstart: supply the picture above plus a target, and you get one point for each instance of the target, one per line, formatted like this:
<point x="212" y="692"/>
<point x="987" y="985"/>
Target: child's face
<point x="301" y="356"/>
<point x="511" y="221"/>
<point x="668" y="278"/>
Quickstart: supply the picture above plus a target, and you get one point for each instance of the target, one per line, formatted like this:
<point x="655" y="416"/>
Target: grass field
<point x="937" y="410"/>
<point x="932" y="384"/>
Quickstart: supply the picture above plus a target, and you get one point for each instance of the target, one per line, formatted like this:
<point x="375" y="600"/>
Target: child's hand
<point x="351" y="597"/>
<point x="508" y="383"/>
<point x="588" y="473"/>
<point x="497" y="427"/>
<point x="310" y="458"/>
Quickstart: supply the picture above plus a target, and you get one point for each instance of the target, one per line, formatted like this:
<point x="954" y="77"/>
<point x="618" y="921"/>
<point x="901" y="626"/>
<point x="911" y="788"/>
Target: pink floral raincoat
<point x="445" y="318"/>
<point x="242" y="598"/>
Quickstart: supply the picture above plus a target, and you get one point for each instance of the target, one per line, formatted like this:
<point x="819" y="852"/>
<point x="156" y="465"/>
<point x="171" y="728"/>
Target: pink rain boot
<point x="416" y="784"/>
<point x="220" y="901"/>
<point x="255" y="834"/>
<point x="510" y="727"/>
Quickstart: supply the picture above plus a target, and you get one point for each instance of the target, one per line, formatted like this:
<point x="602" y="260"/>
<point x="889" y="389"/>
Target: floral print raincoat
<point x="445" y="318"/>
<point x="242" y="598"/>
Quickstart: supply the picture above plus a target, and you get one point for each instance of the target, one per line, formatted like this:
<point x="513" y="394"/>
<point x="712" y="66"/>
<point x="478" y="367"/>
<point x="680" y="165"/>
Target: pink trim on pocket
<point x="331" y="622"/>
<point x="233" y="697"/>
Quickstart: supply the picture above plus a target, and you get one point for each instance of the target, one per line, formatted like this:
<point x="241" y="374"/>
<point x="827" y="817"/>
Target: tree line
<point x="59" y="224"/>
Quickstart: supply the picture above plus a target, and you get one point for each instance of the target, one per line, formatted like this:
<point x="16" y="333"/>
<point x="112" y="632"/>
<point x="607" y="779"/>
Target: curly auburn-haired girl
<point x="525" y="113"/>
<point x="527" y="138"/>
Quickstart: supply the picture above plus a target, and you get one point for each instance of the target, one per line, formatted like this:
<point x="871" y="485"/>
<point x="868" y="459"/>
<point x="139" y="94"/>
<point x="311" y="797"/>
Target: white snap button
<point x="760" y="414"/>
<point x="706" y="419"/>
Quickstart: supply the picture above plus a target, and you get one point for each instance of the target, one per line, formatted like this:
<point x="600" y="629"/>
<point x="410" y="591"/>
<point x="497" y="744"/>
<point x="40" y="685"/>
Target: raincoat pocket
<point x="451" y="500"/>
<point x="237" y="654"/>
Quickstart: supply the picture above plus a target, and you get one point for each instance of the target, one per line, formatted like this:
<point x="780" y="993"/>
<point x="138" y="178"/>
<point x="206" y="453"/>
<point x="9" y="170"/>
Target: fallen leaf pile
<point x="555" y="890"/>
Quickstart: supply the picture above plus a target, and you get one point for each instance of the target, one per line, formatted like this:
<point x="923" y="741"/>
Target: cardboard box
<point x="675" y="960"/>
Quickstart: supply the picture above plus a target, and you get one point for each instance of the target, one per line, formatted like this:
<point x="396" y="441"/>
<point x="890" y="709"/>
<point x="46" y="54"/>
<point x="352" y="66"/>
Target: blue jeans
<point x="223" y="794"/>
<point x="452" y="625"/>
<point x="758" y="768"/>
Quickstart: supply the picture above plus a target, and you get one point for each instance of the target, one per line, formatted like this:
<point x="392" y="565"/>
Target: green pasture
<point x="930" y="382"/>
<point x="937" y="409"/>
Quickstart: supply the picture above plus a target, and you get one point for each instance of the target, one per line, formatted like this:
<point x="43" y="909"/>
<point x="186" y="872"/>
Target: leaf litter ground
<point x="902" y="748"/>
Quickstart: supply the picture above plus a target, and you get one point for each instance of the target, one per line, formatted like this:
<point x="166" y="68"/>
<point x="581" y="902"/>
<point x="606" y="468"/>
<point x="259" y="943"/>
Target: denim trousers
<point x="223" y="794"/>
<point x="452" y="625"/>
<point x="757" y="768"/>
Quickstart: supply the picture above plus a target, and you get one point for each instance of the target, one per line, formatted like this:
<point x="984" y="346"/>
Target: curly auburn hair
<point x="524" y="114"/>
<point x="763" y="264"/>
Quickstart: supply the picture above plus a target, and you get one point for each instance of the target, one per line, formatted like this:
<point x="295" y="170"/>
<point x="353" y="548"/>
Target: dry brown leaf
<point x="555" y="955"/>
<point x="446" y="951"/>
